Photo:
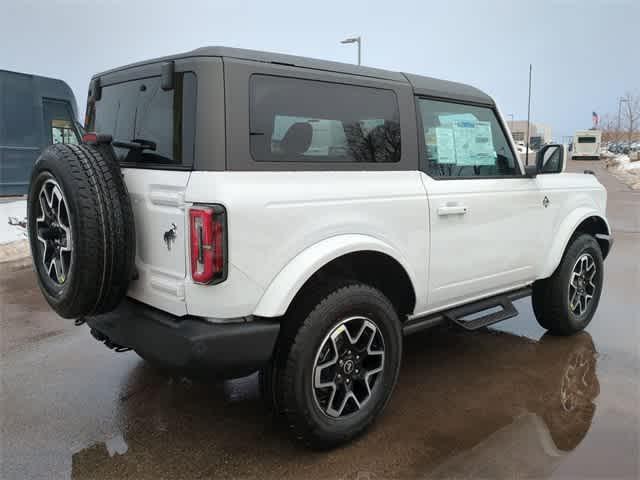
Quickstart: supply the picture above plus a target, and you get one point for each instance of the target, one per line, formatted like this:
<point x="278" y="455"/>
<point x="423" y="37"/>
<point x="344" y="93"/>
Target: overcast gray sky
<point x="585" y="53"/>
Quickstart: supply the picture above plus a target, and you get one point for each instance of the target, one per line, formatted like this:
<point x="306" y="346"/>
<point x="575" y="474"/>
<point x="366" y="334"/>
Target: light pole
<point x="357" y="40"/>
<point x="511" y="124"/>
<point x="620" y="102"/>
<point x="528" y="116"/>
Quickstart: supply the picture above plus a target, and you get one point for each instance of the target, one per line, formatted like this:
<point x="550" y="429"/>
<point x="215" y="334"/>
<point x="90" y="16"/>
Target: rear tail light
<point x="208" y="227"/>
<point x="90" y="138"/>
<point x="93" y="138"/>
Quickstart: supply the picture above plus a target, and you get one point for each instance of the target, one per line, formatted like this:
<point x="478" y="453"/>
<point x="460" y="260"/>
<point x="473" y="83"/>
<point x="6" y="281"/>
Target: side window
<point x="63" y="131"/>
<point x="59" y="124"/>
<point x="294" y="120"/>
<point x="463" y="141"/>
<point x="141" y="111"/>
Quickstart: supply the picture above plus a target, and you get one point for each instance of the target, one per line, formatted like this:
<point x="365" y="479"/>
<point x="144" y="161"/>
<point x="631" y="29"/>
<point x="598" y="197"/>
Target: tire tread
<point x="104" y="241"/>
<point x="295" y="334"/>
<point x="548" y="300"/>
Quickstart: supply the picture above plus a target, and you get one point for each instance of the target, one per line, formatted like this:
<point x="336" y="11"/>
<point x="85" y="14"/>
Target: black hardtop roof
<point x="422" y="85"/>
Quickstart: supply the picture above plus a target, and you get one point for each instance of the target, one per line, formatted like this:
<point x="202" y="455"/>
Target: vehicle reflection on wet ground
<point x="188" y="428"/>
<point x="499" y="403"/>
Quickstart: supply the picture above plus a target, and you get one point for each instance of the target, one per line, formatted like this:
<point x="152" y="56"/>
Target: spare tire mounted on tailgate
<point x="81" y="229"/>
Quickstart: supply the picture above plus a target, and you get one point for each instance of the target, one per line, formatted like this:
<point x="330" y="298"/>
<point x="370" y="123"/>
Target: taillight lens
<point x="208" y="244"/>
<point x="93" y="138"/>
<point x="90" y="137"/>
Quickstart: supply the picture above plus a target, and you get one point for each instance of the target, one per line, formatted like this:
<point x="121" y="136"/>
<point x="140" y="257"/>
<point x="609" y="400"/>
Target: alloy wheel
<point x="53" y="227"/>
<point x="348" y="366"/>
<point x="582" y="286"/>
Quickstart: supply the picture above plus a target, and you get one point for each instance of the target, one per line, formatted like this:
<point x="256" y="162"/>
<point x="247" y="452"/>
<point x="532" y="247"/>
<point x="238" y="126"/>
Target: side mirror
<point x="551" y="158"/>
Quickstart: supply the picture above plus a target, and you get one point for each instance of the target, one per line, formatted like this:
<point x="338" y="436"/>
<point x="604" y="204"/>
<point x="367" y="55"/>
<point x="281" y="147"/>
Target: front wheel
<point x="566" y="302"/>
<point x="340" y="366"/>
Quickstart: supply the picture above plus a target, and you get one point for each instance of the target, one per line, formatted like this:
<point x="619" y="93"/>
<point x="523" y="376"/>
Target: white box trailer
<point x="586" y="145"/>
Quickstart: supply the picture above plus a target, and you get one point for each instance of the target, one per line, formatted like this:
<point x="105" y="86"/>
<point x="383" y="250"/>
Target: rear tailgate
<point x="153" y="136"/>
<point x="157" y="197"/>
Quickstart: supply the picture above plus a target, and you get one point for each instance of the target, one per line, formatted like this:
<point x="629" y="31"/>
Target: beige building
<point x="539" y="133"/>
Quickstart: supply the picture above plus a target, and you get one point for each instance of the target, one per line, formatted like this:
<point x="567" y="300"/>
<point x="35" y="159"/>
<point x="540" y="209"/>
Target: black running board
<point x="501" y="308"/>
<point x="496" y="310"/>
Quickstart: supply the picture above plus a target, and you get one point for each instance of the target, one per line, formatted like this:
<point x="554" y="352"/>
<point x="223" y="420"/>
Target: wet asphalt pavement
<point x="508" y="402"/>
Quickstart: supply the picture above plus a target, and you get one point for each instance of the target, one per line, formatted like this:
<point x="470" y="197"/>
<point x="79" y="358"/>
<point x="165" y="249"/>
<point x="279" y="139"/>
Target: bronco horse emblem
<point x="170" y="236"/>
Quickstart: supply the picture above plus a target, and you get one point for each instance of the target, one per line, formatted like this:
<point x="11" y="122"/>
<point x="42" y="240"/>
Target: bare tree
<point x="609" y="129"/>
<point x="631" y="114"/>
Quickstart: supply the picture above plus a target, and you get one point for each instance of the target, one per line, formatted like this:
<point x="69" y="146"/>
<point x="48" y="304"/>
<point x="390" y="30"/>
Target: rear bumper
<point x="224" y="350"/>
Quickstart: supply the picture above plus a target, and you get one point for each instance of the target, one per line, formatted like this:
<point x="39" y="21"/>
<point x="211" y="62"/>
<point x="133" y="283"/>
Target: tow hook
<point x="101" y="337"/>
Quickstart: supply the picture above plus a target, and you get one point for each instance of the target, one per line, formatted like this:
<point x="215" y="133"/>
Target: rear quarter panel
<point x="275" y="216"/>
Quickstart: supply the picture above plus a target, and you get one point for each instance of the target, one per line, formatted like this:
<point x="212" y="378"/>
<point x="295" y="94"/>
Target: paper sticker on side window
<point x="463" y="141"/>
<point x="483" y="149"/>
<point x="446" y="145"/>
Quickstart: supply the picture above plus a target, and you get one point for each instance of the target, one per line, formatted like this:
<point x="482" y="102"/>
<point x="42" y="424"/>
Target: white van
<point x="586" y="145"/>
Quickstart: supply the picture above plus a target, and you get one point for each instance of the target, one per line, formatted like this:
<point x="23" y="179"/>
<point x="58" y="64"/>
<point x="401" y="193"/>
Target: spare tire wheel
<point x="81" y="229"/>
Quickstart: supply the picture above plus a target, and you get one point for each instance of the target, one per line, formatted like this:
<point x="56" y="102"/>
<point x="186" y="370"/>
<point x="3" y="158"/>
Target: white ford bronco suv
<point x="237" y="211"/>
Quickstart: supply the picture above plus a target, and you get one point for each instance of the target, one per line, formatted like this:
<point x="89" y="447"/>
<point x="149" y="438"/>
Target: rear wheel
<point x="566" y="302"/>
<point x="338" y="367"/>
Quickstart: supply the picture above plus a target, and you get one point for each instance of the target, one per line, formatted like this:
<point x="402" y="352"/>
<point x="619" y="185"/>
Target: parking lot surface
<point x="505" y="402"/>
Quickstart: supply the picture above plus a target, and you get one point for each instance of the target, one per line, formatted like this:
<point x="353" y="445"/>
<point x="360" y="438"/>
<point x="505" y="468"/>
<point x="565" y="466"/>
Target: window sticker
<point x="483" y="150"/>
<point x="450" y="118"/>
<point x="464" y="138"/>
<point x="464" y="141"/>
<point x="446" y="145"/>
<point x="471" y="138"/>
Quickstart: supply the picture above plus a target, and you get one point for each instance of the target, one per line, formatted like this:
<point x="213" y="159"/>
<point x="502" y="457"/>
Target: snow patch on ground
<point x="625" y="169"/>
<point x="11" y="213"/>
<point x="13" y="234"/>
